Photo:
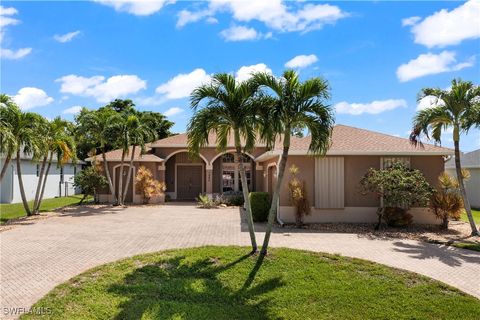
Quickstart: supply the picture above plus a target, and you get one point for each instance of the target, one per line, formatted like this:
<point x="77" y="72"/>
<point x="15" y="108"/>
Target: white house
<point x="59" y="182"/>
<point x="471" y="162"/>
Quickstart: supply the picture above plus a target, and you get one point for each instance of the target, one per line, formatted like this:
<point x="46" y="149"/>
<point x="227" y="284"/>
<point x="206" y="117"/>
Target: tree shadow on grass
<point x="173" y="287"/>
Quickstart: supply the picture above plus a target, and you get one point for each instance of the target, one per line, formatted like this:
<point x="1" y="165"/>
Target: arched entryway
<point x="226" y="176"/>
<point x="184" y="176"/>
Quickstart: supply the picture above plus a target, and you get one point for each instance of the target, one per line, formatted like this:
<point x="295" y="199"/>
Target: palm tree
<point x="294" y="105"/>
<point x="228" y="109"/>
<point x="8" y="143"/>
<point x="455" y="108"/>
<point x="59" y="141"/>
<point x="96" y="126"/>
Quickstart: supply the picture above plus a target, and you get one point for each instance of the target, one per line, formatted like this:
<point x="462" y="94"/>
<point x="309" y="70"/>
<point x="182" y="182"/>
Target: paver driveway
<point x="38" y="256"/>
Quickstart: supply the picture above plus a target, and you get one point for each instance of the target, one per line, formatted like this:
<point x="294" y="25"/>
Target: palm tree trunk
<point x="120" y="181"/>
<point x="5" y="166"/>
<point x="107" y="174"/>
<point x="44" y="183"/>
<point x="276" y="192"/>
<point x="466" y="203"/>
<point x="39" y="183"/>
<point x="129" y="174"/>
<point x="243" y="179"/>
<point x="20" y="184"/>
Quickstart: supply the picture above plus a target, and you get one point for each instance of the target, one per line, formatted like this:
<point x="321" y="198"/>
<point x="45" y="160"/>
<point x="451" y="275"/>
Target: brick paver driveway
<point x="38" y="256"/>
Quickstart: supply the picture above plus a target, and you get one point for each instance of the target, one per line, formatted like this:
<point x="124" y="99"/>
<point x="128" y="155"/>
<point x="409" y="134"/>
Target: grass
<point x="15" y="210"/>
<point x="227" y="283"/>
<point x="475" y="213"/>
<point x="467" y="245"/>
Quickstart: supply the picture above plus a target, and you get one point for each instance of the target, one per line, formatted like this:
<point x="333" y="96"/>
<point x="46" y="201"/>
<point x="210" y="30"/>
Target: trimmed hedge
<point x="260" y="203"/>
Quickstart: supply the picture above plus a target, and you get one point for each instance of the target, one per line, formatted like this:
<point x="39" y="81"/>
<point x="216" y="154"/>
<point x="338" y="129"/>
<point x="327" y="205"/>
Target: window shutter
<point x="329" y="183"/>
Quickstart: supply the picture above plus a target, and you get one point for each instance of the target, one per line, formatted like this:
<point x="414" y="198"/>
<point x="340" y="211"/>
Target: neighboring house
<point x="471" y="162"/>
<point x="332" y="182"/>
<point x="59" y="182"/>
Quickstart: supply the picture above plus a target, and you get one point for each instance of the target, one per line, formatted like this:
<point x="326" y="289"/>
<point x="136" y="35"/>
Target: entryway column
<point x="209" y="179"/>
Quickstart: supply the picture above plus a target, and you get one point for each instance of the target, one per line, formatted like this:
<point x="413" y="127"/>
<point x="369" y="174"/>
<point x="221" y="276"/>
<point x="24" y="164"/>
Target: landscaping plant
<point x="90" y="180"/>
<point x="147" y="185"/>
<point x="399" y="188"/>
<point x="298" y="196"/>
<point x="446" y="202"/>
<point x="260" y="202"/>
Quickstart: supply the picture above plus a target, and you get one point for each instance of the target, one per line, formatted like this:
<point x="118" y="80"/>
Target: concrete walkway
<point x="38" y="256"/>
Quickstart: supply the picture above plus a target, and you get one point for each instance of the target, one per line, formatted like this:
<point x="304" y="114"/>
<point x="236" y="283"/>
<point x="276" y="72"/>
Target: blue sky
<point x="57" y="56"/>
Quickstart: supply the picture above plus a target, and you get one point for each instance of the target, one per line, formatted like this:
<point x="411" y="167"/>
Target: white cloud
<point x="185" y="17"/>
<point x="173" y="111"/>
<point x="67" y="37"/>
<point x="183" y="84"/>
<point x="137" y="7"/>
<point x="102" y="90"/>
<point x="445" y="27"/>
<point x="5" y="21"/>
<point x="240" y="33"/>
<point x="30" y="97"/>
<point x="14" y="54"/>
<point x="428" y="102"/>
<point x="430" y="63"/>
<point x="245" y="72"/>
<point x="373" y="107"/>
<point x="72" y="110"/>
<point x="275" y="14"/>
<point x="301" y="61"/>
<point x="410" y="21"/>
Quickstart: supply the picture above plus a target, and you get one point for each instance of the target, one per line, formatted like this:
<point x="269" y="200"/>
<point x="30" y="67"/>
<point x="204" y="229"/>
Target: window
<point x="248" y="174"/>
<point x="38" y="170"/>
<point x="387" y="162"/>
<point x="228" y="180"/>
<point x="228" y="158"/>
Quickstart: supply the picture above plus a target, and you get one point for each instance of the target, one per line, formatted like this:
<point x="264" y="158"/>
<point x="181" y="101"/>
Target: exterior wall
<point x="472" y="185"/>
<point x="10" y="189"/>
<point x="430" y="166"/>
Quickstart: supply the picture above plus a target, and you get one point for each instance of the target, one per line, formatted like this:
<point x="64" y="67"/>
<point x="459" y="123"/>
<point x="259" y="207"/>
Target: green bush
<point x="260" y="203"/>
<point x="236" y="200"/>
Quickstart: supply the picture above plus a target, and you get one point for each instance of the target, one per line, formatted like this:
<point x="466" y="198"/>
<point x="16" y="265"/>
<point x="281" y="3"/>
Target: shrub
<point x="260" y="204"/>
<point x="89" y="180"/>
<point x="147" y="186"/>
<point x="400" y="188"/>
<point x="298" y="195"/>
<point x="235" y="200"/>
<point x="446" y="202"/>
<point x="206" y="202"/>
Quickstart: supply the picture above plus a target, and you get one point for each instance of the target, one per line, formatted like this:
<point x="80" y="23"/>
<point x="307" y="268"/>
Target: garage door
<point x="189" y="182"/>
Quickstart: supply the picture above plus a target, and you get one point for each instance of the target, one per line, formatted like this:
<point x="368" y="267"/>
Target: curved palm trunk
<point x="120" y="181"/>
<point x="466" y="203"/>
<point x="20" y="184"/>
<point x="129" y="174"/>
<point x="44" y="183"/>
<point x="243" y="179"/>
<point x="39" y="184"/>
<point x="107" y="174"/>
<point x="5" y="166"/>
<point x="276" y="192"/>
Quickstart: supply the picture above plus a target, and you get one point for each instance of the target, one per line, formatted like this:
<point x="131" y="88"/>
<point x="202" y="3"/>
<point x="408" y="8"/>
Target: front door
<point x="189" y="182"/>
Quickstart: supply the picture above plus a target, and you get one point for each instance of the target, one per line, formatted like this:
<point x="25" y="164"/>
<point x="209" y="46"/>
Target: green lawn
<point x="227" y="283"/>
<point x="467" y="245"/>
<point x="16" y="210"/>
<point x="476" y="216"/>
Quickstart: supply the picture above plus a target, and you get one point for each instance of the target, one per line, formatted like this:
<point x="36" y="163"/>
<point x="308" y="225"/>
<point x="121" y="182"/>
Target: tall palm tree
<point x="294" y="105"/>
<point x="228" y="109"/>
<point x="96" y="125"/>
<point x="59" y="141"/>
<point x="8" y="144"/>
<point x="455" y="108"/>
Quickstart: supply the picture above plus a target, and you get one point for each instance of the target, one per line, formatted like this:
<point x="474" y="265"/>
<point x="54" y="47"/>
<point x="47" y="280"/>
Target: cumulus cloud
<point x="103" y="90"/>
<point x="137" y="7"/>
<point x="241" y="33"/>
<point x="430" y="63"/>
<point x="30" y="97"/>
<point x="373" y="107"/>
<point x="275" y="14"/>
<point x="410" y="21"/>
<point x="182" y="85"/>
<point x="6" y="20"/>
<point x="173" y="111"/>
<point x="67" y="37"/>
<point x="428" y="102"/>
<point x="301" y="61"/>
<point x="245" y="72"/>
<point x="72" y="110"/>
<point x="445" y="27"/>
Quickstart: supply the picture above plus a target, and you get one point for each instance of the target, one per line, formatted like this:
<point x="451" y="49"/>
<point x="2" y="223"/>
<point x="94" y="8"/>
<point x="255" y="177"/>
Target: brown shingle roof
<point x="116" y="155"/>
<point x="180" y="140"/>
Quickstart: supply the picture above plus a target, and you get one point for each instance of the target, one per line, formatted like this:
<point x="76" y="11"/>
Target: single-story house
<point x="471" y="162"/>
<point x="332" y="182"/>
<point x="59" y="182"/>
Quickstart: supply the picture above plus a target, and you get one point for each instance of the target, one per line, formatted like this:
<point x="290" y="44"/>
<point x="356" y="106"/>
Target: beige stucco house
<point x="332" y="182"/>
